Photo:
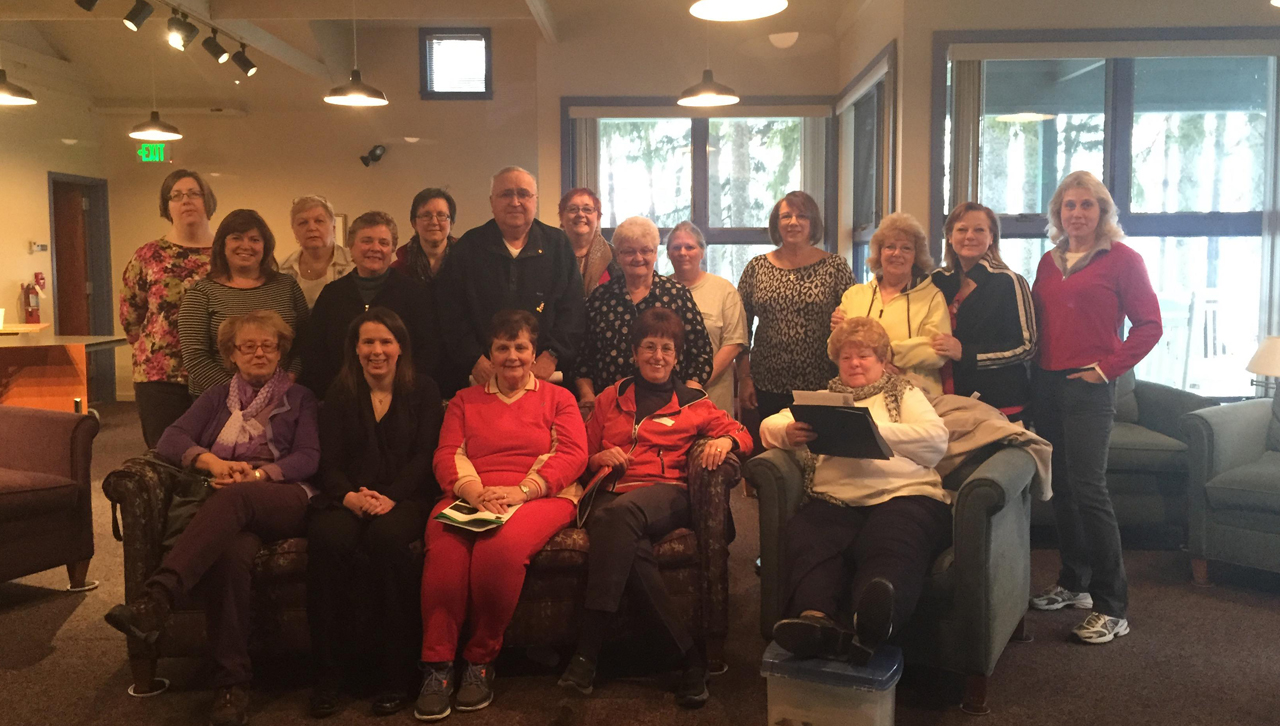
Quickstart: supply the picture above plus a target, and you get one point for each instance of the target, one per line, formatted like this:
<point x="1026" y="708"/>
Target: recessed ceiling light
<point x="412" y="139"/>
<point x="215" y="173"/>
<point x="71" y="142"/>
<point x="782" y="41"/>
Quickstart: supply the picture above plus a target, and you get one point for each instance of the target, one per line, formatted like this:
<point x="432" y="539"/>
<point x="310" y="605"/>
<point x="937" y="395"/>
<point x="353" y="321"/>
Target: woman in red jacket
<point x="645" y="425"/>
<point x="513" y="440"/>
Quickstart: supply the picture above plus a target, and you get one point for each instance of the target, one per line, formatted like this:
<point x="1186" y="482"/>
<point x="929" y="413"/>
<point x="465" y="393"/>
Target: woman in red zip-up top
<point x="645" y="426"/>
<point x="1085" y="287"/>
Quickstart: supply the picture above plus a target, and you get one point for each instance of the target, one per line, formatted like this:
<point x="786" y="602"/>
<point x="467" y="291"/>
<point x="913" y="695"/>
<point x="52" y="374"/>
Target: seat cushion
<point x="281" y="560"/>
<point x="1253" y="487"/>
<point x="568" y="550"/>
<point x="25" y="493"/>
<point x="1134" y="448"/>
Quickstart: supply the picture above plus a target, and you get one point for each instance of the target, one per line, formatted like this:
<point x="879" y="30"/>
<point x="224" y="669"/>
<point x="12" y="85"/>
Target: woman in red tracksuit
<point x="645" y="426"/>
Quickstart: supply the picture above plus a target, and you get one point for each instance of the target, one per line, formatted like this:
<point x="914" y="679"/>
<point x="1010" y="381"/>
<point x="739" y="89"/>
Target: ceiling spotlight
<point x="153" y="129"/>
<point x="87" y="4"/>
<point x="708" y="93"/>
<point x="181" y="31"/>
<point x="215" y="48"/>
<point x="242" y="61"/>
<point x="11" y="94"/>
<point x="733" y="10"/>
<point x="374" y="156"/>
<point x="138" y="14"/>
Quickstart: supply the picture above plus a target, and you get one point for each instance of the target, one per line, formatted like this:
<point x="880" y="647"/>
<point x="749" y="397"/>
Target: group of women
<point x="213" y="326"/>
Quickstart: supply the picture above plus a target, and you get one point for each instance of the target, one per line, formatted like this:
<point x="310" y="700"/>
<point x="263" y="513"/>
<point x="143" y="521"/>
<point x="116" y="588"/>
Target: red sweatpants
<point x="478" y="576"/>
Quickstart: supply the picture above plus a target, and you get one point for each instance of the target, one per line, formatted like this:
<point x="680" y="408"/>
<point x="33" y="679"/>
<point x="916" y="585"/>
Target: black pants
<point x="833" y="551"/>
<point x="622" y="529"/>
<point x="347" y="554"/>
<point x="767" y="404"/>
<point x="1076" y="417"/>
<point x="160" y="403"/>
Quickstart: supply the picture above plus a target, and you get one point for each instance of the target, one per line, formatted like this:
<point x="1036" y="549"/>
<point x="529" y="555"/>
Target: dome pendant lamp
<point x="707" y="92"/>
<point x="727" y="11"/>
<point x="153" y="129"/>
<point x="355" y="92"/>
<point x="11" y="94"/>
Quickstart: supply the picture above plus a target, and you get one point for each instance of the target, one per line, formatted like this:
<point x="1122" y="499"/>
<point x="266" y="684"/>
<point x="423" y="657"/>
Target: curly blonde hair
<point x="904" y="225"/>
<point x="1108" y="216"/>
<point x="265" y="319"/>
<point x="866" y="333"/>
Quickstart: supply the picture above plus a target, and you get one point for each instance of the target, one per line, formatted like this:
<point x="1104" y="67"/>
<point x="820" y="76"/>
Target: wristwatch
<point x="524" y="488"/>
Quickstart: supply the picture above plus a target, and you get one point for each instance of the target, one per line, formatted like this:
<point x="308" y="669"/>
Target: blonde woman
<point x="319" y="260"/>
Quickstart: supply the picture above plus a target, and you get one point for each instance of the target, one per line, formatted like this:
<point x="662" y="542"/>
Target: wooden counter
<point x="43" y="370"/>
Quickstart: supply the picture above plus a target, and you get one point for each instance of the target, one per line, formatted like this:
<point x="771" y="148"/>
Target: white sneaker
<point x="1099" y="628"/>
<point x="1058" y="597"/>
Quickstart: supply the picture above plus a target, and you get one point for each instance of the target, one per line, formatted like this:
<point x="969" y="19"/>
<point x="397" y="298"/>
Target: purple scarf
<point x="243" y="432"/>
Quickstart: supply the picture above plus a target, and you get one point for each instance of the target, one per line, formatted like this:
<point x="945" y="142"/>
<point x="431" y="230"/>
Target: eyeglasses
<point x="179" y="196"/>
<point x="589" y="211"/>
<point x="251" y="348"/>
<point x="666" y="349"/>
<point x="523" y="195"/>
<point x="437" y="216"/>
<point x="789" y="217"/>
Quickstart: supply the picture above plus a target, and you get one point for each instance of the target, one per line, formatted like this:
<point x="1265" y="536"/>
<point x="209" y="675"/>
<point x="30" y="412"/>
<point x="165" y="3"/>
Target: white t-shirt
<point x="721" y="307"/>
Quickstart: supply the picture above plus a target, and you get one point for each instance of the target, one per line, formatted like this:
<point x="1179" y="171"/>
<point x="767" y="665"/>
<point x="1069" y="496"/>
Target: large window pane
<point x="645" y="170"/>
<point x="725" y="260"/>
<point x="1041" y="120"/>
<point x="1023" y="255"/>
<point x="1199" y="134"/>
<point x="752" y="163"/>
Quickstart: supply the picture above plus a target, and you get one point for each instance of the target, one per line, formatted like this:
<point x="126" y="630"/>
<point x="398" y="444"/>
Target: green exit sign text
<point x="153" y="153"/>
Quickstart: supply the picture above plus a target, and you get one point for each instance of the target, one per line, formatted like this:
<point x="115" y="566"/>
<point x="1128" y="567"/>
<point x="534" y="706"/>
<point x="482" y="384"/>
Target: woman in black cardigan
<point x="379" y="427"/>
<point x="372" y="283"/>
<point x="993" y="320"/>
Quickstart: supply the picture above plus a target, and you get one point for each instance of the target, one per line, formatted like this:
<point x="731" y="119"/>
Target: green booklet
<point x="461" y="514"/>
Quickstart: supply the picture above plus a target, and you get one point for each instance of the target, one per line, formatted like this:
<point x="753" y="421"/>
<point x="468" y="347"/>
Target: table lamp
<point x="1266" y="362"/>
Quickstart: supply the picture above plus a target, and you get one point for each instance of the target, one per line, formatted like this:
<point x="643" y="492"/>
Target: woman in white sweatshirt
<point x="869" y="527"/>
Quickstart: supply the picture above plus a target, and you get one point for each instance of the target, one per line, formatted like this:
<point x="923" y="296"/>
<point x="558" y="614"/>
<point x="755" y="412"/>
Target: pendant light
<point x="707" y="93"/>
<point x="726" y="11"/>
<point x="153" y="129"/>
<point x="11" y="94"/>
<point x="355" y="92"/>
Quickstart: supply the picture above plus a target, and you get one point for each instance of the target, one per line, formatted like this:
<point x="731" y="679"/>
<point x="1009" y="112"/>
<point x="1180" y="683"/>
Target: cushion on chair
<point x="1273" y="429"/>
<point x="1135" y="448"/>
<point x="1127" y="398"/>
<point x="1252" y="487"/>
<point x="281" y="560"/>
<point x="568" y="550"/>
<point x="27" y="493"/>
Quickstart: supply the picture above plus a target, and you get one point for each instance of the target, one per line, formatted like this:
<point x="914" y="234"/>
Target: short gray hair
<point x="493" y="180"/>
<point x="690" y="229"/>
<point x="636" y="229"/>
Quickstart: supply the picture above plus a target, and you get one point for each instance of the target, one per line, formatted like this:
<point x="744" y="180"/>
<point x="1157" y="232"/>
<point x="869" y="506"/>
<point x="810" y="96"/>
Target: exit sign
<point x="153" y="153"/>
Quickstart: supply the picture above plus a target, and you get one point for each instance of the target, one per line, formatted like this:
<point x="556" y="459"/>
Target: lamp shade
<point x="153" y="129"/>
<point x="356" y="93"/>
<point x="708" y="93"/>
<point x="1266" y="362"/>
<point x="733" y="10"/>
<point x="11" y="94"/>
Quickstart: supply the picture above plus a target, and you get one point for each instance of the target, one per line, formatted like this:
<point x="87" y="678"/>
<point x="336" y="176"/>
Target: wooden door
<point x="70" y="261"/>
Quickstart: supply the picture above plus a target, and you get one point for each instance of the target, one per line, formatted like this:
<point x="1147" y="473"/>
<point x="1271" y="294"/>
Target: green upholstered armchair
<point x="975" y="597"/>
<point x="1234" y="491"/>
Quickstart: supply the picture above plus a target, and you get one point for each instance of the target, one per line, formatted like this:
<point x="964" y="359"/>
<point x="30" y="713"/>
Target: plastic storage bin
<point x="819" y="692"/>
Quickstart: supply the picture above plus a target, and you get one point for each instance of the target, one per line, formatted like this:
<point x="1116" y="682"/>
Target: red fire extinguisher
<point x="31" y="294"/>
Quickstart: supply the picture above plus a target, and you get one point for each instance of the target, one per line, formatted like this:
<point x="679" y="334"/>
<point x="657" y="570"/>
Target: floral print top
<point x="154" y="282"/>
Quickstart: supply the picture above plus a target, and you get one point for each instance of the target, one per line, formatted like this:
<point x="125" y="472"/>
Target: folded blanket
<point x="973" y="424"/>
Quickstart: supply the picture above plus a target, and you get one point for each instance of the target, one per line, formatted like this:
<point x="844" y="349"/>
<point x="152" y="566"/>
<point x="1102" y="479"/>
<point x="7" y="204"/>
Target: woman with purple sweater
<point x="254" y="441"/>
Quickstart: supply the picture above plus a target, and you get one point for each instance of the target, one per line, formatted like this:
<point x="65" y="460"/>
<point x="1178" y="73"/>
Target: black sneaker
<point x="230" y="706"/>
<point x="873" y="621"/>
<point x="579" y="675"/>
<point x="143" y="618"/>
<point x="437" y="688"/>
<point x="476" y="690"/>
<point x="323" y="702"/>
<point x="691" y="689"/>
<point x="389" y="702"/>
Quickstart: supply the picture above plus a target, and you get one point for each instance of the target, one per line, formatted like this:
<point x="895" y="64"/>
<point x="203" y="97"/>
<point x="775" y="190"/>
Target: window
<point x="644" y="170"/>
<point x="752" y="163"/>
<point x="456" y="64"/>
<point x="1185" y="144"/>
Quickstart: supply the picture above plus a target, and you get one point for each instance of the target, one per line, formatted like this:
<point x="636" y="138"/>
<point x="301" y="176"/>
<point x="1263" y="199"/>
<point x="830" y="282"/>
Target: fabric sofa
<point x="46" y="515"/>
<point x="976" y="595"/>
<point x="1234" y="488"/>
<point x="695" y="564"/>
<point x="1147" y="461"/>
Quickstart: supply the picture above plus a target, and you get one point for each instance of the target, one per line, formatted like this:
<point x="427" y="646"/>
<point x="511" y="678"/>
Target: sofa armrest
<point x="709" y="502"/>
<point x="26" y="435"/>
<point x="1219" y="439"/>
<point x="1160" y="407"/>
<point x="779" y="483"/>
<point x="142" y="488"/>
<point x="992" y="557"/>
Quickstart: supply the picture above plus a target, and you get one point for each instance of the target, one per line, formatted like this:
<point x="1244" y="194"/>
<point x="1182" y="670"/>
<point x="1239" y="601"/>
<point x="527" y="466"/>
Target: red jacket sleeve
<point x="718" y="423"/>
<point x="605" y="407"/>
<point x="1139" y="303"/>
<point x="567" y="459"/>
<point x="451" y="464"/>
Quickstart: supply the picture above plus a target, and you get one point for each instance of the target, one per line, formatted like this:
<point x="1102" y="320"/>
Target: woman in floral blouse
<point x="155" y="281"/>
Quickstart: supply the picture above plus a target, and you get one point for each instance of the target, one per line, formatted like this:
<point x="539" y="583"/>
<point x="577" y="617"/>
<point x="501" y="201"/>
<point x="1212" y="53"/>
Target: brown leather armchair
<point x="46" y="515"/>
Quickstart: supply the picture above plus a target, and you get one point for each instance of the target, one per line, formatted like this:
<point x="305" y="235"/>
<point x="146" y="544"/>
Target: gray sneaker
<point x="1058" y="597"/>
<point x="1099" y="628"/>
<point x="433" y="699"/>
<point x="476" y="690"/>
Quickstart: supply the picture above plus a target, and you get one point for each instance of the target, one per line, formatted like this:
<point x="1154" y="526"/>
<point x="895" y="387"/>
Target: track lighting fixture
<point x="374" y="156"/>
<point x="242" y="61"/>
<point x="215" y="48"/>
<point x="181" y="31"/>
<point x="138" y="14"/>
<point x="87" y="4"/>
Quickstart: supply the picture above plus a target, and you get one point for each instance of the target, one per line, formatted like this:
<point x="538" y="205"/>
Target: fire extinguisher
<point x="31" y="294"/>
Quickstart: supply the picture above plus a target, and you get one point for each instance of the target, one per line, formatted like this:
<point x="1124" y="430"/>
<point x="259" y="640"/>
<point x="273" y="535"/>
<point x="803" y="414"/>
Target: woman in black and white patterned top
<point x="613" y="307"/>
<point x="792" y="291"/>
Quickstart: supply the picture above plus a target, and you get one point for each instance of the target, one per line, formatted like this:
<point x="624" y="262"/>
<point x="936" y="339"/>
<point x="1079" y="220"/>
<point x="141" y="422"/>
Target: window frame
<point x="424" y="64"/>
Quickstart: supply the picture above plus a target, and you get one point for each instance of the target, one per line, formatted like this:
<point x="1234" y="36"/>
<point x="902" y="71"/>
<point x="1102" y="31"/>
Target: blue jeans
<point x="1076" y="417"/>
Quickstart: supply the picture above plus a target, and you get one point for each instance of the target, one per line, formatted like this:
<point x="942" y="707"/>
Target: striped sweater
<point x="208" y="303"/>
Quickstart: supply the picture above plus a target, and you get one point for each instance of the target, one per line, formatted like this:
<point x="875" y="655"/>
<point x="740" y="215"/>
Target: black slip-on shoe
<point x="323" y="702"/>
<point x="580" y="675"/>
<point x="691" y="689"/>
<point x="389" y="702"/>
<point x="873" y="618"/>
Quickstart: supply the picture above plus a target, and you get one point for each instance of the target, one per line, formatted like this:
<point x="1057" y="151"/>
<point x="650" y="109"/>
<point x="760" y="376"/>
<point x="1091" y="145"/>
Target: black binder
<point x="843" y="431"/>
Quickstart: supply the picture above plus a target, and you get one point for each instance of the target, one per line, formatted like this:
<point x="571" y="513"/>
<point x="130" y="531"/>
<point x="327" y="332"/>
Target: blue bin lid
<point x="880" y="674"/>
